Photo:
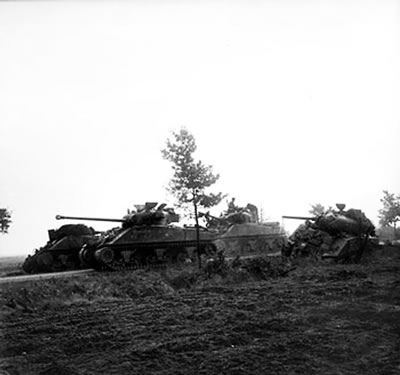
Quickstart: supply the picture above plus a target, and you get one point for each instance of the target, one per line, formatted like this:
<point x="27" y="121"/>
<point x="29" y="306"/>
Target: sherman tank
<point x="146" y="237"/>
<point x="241" y="234"/>
<point x="338" y="234"/>
<point x="61" y="253"/>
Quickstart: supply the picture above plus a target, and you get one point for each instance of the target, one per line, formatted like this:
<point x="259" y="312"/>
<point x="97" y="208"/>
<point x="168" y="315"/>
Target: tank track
<point x="113" y="259"/>
<point x="121" y="268"/>
<point x="45" y="260"/>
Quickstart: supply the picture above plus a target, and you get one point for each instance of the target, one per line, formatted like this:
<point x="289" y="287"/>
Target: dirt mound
<point x="57" y="293"/>
<point x="87" y="289"/>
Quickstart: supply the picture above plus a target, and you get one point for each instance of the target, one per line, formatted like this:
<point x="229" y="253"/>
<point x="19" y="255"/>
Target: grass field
<point x="10" y="266"/>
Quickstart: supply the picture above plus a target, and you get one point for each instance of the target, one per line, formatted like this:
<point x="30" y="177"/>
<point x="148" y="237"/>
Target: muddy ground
<point x="315" y="319"/>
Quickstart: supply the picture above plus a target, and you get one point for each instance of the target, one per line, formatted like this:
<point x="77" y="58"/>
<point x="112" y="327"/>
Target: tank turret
<point x="147" y="214"/>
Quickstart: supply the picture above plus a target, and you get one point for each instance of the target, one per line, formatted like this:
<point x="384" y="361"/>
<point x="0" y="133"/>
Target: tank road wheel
<point x="45" y="261"/>
<point x="128" y="259"/>
<point x="109" y="260"/>
<point x="209" y="250"/>
<point x="65" y="262"/>
<point x="151" y="260"/>
<point x="30" y="265"/>
<point x="86" y="256"/>
<point x="133" y="264"/>
<point x="182" y="257"/>
<point x="105" y="255"/>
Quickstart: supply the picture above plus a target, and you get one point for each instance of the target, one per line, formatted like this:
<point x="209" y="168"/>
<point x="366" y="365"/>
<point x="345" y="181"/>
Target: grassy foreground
<point x="259" y="317"/>
<point x="106" y="286"/>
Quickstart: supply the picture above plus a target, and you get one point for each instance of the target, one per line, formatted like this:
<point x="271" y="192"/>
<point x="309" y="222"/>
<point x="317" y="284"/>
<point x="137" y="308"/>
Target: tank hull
<point x="148" y="246"/>
<point x="161" y="245"/>
<point x="251" y="239"/>
<point x="150" y="243"/>
<point x="61" y="253"/>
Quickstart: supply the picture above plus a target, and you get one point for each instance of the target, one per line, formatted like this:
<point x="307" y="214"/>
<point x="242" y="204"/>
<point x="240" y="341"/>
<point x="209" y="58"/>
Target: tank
<point x="340" y="235"/>
<point x="146" y="237"/>
<point x="61" y="253"/>
<point x="241" y="234"/>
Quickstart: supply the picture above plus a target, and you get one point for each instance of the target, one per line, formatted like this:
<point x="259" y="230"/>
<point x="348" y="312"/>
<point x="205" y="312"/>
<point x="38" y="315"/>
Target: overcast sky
<point x="292" y="102"/>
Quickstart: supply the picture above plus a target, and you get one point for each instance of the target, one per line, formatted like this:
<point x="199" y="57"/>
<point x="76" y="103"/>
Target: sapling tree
<point x="191" y="178"/>
<point x="389" y="215"/>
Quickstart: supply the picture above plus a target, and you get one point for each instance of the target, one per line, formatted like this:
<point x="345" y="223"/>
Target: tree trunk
<point x="197" y="233"/>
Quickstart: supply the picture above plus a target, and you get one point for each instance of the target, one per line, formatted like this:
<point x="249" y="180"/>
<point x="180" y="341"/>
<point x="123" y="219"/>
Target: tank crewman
<point x="232" y="207"/>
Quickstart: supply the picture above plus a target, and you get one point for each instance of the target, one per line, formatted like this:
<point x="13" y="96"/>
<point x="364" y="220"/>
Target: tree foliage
<point x="191" y="177"/>
<point x="5" y="220"/>
<point x="318" y="209"/>
<point x="389" y="215"/>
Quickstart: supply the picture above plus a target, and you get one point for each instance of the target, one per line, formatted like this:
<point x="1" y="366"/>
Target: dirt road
<point x="324" y="319"/>
<point x="23" y="278"/>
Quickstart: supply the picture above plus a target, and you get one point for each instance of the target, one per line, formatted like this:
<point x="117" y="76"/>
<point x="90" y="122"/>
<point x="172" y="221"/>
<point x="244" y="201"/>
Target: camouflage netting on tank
<point x="340" y="235"/>
<point x="71" y="230"/>
<point x="308" y="241"/>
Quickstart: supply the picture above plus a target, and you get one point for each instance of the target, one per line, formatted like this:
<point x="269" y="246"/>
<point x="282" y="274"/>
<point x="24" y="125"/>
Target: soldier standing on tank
<point x="232" y="207"/>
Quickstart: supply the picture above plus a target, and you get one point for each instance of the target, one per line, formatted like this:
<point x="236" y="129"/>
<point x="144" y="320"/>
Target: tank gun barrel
<point x="60" y="217"/>
<point x="299" y="217"/>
